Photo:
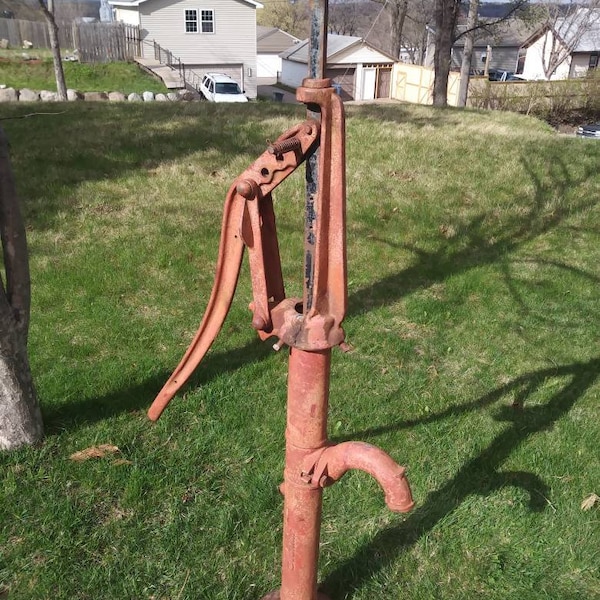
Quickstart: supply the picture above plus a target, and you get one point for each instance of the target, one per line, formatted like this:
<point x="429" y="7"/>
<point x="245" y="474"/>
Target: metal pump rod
<point x="317" y="64"/>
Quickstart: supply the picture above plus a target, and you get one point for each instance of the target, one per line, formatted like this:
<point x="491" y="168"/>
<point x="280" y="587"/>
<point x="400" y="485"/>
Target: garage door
<point x="345" y="78"/>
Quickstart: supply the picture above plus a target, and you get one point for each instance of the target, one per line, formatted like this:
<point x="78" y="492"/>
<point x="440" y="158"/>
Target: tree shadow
<point x="479" y="476"/>
<point x="82" y="142"/>
<point x="405" y="114"/>
<point x="482" y="240"/>
<point x="72" y="415"/>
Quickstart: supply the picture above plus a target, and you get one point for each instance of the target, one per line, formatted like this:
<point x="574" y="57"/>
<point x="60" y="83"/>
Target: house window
<point x="208" y="21"/>
<point x="191" y="21"/>
<point x="199" y="21"/>
<point x="594" y="56"/>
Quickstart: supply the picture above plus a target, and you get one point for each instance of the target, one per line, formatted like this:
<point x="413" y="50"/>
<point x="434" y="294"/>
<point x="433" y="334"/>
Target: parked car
<point x="501" y="75"/>
<point x="217" y="87"/>
<point x="589" y="131"/>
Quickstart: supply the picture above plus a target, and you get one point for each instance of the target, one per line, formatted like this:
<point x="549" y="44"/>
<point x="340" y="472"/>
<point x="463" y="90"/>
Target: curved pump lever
<point x="248" y="220"/>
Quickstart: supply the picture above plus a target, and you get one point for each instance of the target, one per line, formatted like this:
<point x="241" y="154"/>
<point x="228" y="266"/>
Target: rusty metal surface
<point x="248" y="220"/>
<point x="311" y="326"/>
<point x="326" y="467"/>
<point x="277" y="596"/>
<point x="306" y="431"/>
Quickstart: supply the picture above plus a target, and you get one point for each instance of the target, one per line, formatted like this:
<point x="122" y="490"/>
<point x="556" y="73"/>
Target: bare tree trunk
<point x="20" y="415"/>
<point x="398" y="11"/>
<point x="61" y="87"/>
<point x="445" y="15"/>
<point x="465" y="67"/>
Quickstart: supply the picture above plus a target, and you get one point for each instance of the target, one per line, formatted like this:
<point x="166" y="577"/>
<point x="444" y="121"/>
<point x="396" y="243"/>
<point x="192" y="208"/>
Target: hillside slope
<point x="66" y="10"/>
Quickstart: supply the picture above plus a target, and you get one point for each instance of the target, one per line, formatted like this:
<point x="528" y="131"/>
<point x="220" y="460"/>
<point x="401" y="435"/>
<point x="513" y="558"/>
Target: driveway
<point x="271" y="92"/>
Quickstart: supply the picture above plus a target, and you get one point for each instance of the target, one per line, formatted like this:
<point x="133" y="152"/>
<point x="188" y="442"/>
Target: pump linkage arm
<point x="310" y="325"/>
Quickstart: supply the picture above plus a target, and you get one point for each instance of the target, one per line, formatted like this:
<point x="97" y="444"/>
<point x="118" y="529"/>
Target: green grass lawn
<point x="38" y="74"/>
<point x="474" y="303"/>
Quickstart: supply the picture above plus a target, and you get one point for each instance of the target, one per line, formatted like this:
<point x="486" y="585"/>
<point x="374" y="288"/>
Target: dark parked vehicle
<point x="501" y="75"/>
<point x="589" y="131"/>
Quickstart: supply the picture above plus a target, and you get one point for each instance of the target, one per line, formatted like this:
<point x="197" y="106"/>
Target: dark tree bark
<point x="48" y="11"/>
<point x="445" y="16"/>
<point x="398" y="11"/>
<point x="20" y="415"/>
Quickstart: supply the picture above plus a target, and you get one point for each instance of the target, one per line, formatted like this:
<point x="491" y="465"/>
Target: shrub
<point x="567" y="101"/>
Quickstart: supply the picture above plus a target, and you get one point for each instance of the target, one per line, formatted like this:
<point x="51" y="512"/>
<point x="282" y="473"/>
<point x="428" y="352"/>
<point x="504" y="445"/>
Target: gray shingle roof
<point x="271" y="40"/>
<point x="335" y="45"/>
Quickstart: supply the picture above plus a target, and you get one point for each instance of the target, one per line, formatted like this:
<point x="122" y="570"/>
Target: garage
<point x="361" y="71"/>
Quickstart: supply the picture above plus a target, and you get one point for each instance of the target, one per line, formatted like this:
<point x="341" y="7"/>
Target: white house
<point x="270" y="43"/>
<point x="361" y="71"/>
<point x="206" y="35"/>
<point x="573" y="43"/>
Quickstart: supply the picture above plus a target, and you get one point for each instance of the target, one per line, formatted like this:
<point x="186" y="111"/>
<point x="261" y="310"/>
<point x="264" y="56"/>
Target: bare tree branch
<point x="564" y="27"/>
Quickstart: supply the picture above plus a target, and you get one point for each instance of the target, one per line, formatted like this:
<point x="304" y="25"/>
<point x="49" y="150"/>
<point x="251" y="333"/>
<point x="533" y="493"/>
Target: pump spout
<point x="334" y="461"/>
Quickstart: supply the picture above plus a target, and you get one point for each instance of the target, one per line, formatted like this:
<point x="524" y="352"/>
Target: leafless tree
<point x="445" y="20"/>
<point x="406" y="26"/>
<point x="343" y="17"/>
<point x="48" y="12"/>
<point x="564" y="27"/>
<point x="397" y="11"/>
<point x="20" y="416"/>
<point x="445" y="16"/>
<point x="465" y="67"/>
<point x="417" y="31"/>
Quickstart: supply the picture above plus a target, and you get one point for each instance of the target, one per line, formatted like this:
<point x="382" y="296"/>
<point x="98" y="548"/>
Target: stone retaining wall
<point x="27" y="95"/>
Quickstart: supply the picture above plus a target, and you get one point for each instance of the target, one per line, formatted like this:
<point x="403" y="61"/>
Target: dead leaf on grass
<point x="590" y="502"/>
<point x="94" y="452"/>
<point x="448" y="231"/>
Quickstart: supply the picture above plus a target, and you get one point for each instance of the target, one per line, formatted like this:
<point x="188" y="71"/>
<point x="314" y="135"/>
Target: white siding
<point x="580" y="64"/>
<point x="360" y="54"/>
<point x="292" y="73"/>
<point x="268" y="65"/>
<point x="232" y="43"/>
<point x="127" y="15"/>
<point x="538" y="55"/>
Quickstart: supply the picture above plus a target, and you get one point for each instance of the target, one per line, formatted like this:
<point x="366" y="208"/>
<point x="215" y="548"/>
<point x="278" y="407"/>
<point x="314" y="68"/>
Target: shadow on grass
<point x="483" y="240"/>
<point x="479" y="476"/>
<point x="405" y="114"/>
<point x="72" y="415"/>
<point x="81" y="142"/>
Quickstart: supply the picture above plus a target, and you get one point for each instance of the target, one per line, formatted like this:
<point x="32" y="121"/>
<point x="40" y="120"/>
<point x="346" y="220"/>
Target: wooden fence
<point x="18" y="32"/>
<point x="413" y="83"/>
<point x="106" y="42"/>
<point x="95" y="42"/>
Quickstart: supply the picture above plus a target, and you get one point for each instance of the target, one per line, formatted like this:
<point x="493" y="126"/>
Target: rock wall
<point x="27" y="95"/>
